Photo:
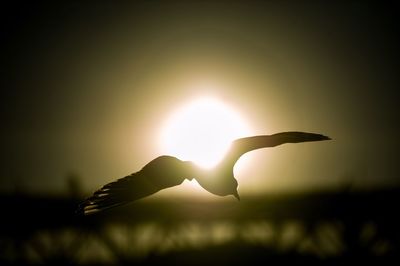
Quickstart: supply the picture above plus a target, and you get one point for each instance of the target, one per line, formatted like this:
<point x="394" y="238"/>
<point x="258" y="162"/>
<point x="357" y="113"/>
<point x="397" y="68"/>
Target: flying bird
<point x="167" y="171"/>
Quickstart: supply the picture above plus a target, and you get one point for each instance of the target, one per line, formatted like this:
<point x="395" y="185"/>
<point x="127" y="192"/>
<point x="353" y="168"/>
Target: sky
<point x="86" y="87"/>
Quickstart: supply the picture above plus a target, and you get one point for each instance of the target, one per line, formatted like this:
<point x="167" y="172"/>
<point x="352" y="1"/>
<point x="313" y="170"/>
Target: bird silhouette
<point x="167" y="171"/>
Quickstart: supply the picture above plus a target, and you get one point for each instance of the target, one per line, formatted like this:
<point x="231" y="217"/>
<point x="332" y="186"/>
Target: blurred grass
<point x="325" y="226"/>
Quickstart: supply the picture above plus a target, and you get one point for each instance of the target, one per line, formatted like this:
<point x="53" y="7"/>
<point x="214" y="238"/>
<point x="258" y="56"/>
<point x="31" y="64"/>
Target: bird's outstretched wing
<point x="119" y="192"/>
<point x="162" y="172"/>
<point x="243" y="145"/>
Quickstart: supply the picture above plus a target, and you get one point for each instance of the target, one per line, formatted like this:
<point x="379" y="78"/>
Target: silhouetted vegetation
<point x="326" y="227"/>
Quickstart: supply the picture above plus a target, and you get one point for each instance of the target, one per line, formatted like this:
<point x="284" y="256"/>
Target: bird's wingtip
<point x="323" y="137"/>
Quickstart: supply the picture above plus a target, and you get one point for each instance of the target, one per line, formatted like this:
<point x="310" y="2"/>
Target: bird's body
<point x="167" y="171"/>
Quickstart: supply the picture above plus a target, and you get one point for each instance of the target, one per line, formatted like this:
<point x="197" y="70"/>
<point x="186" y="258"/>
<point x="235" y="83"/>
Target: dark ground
<point x="324" y="227"/>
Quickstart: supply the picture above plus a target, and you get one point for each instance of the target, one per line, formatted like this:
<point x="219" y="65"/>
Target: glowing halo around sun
<point x="201" y="131"/>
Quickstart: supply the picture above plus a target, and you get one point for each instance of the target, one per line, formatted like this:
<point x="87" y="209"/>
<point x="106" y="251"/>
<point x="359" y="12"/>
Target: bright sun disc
<point x="202" y="132"/>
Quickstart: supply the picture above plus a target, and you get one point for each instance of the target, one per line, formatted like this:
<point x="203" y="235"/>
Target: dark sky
<point x="86" y="86"/>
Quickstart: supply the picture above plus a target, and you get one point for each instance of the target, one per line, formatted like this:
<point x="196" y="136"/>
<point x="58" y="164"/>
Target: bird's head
<point x="219" y="181"/>
<point x="234" y="191"/>
<point x="236" y="195"/>
<point x="226" y="181"/>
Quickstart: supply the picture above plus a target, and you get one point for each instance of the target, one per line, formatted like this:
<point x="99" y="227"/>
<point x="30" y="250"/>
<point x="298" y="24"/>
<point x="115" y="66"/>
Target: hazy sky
<point x="87" y="87"/>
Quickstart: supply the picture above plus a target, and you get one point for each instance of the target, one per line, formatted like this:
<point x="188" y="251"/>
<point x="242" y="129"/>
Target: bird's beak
<point x="236" y="195"/>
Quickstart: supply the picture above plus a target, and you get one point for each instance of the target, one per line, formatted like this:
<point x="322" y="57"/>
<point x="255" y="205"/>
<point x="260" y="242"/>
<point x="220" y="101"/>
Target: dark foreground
<point x="327" y="228"/>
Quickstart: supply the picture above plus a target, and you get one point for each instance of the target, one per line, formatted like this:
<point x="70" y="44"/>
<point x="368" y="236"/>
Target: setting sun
<point x="202" y="131"/>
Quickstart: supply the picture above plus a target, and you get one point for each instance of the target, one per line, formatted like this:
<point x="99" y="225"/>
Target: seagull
<point x="168" y="171"/>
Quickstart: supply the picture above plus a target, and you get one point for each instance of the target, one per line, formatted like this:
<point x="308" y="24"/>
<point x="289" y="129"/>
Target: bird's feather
<point x="244" y="145"/>
<point x="119" y="192"/>
<point x="162" y="172"/>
